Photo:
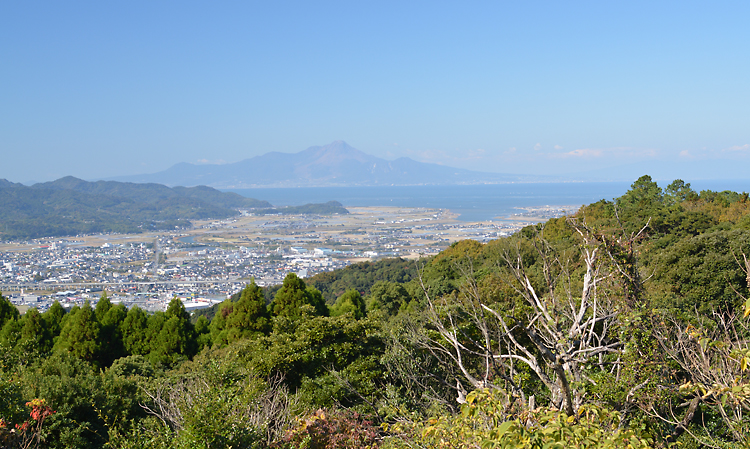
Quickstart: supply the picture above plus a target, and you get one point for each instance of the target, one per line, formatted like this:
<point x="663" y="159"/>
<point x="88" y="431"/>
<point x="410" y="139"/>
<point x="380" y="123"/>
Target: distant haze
<point x="335" y="164"/>
<point x="583" y="90"/>
<point x="339" y="165"/>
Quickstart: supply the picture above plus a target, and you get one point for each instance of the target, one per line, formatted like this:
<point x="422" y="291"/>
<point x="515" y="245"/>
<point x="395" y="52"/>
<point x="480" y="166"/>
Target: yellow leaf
<point x="428" y="431"/>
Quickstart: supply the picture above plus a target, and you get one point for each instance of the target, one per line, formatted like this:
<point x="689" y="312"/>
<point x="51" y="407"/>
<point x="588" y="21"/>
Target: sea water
<point x="472" y="202"/>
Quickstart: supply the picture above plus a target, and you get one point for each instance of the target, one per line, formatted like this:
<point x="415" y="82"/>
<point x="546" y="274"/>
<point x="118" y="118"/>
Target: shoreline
<point x="366" y="217"/>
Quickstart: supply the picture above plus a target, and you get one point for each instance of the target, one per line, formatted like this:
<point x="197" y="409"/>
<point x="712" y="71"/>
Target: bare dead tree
<point x="423" y="373"/>
<point x="560" y="329"/>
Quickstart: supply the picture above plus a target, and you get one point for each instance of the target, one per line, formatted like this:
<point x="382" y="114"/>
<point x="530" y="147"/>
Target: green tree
<point x="7" y="311"/>
<point x="10" y="333"/>
<point x="701" y="273"/>
<point x="218" y="325"/>
<point x="154" y="325"/>
<point x="102" y="307"/>
<point x="111" y="336"/>
<point x="176" y="339"/>
<point x="679" y="191"/>
<point x="203" y="332"/>
<point x="329" y="359"/>
<point x="293" y="295"/>
<point x="68" y="316"/>
<point x="133" y="330"/>
<point x="80" y="336"/>
<point x="34" y="335"/>
<point x="389" y="297"/>
<point x="54" y="316"/>
<point x="249" y="315"/>
<point x="349" y="302"/>
<point x="643" y="203"/>
<point x="74" y="390"/>
<point x="644" y="191"/>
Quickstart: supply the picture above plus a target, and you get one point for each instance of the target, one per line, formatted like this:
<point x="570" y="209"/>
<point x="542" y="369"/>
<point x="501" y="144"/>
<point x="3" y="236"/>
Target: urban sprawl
<point x="215" y="259"/>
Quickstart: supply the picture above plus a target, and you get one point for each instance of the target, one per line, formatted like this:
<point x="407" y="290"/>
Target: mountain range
<point x="332" y="165"/>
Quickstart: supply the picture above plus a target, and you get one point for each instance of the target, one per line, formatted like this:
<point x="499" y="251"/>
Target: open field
<point x="408" y="231"/>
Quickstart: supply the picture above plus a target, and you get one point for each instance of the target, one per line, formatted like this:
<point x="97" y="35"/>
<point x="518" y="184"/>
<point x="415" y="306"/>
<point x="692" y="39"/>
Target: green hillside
<point x="71" y="206"/>
<point x="626" y="325"/>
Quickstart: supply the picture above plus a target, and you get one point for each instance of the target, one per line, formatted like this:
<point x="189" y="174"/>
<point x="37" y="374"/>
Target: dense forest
<point x="623" y="326"/>
<point x="71" y="206"/>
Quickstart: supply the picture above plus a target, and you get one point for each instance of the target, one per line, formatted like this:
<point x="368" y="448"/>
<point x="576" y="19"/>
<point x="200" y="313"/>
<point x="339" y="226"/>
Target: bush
<point x="332" y="430"/>
<point x="487" y="420"/>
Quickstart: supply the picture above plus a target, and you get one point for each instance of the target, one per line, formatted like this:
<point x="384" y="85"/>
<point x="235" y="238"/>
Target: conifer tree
<point x="294" y="294"/>
<point x="203" y="332"/>
<point x="218" y="325"/>
<point x="10" y="334"/>
<point x="176" y="339"/>
<point x="80" y="336"/>
<point x="102" y="307"/>
<point x="68" y="316"/>
<point x="249" y="315"/>
<point x="111" y="338"/>
<point x="34" y="335"/>
<point x="153" y="326"/>
<point x="53" y="317"/>
<point x="133" y="330"/>
<point x="7" y="311"/>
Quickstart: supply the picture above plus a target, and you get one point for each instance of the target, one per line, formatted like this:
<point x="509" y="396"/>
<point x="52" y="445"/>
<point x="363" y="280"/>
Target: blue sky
<point x="100" y="89"/>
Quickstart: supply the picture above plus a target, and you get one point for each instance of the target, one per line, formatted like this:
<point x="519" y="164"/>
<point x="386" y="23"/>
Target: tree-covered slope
<point x="625" y="325"/>
<point x="154" y="193"/>
<point x="70" y="206"/>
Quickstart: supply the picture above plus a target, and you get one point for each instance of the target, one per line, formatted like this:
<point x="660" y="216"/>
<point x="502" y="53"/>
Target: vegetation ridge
<point x="622" y="326"/>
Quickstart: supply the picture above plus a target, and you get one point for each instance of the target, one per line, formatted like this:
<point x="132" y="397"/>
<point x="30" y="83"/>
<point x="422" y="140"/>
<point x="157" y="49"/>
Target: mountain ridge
<point x="334" y="165"/>
<point x="70" y="206"/>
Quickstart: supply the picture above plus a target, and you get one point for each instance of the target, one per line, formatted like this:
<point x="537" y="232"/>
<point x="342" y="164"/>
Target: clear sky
<point x="100" y="89"/>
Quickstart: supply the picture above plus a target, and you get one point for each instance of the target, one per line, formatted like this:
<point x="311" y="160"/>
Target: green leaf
<point x="502" y="428"/>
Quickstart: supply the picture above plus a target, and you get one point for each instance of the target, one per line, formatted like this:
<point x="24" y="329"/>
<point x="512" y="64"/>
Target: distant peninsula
<point x="329" y="208"/>
<point x="334" y="165"/>
<point x="71" y="206"/>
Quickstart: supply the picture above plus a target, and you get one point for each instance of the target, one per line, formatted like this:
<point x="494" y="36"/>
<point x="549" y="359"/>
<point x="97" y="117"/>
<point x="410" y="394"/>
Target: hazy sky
<point x="99" y="89"/>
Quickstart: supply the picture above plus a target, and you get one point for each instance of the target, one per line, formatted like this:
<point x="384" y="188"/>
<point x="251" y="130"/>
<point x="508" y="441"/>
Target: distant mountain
<point x="71" y="206"/>
<point x="335" y="164"/>
<point x="156" y="193"/>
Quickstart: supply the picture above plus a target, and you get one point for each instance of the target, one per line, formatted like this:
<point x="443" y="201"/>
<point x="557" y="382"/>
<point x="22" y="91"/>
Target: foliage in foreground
<point x="490" y="419"/>
<point x="378" y="354"/>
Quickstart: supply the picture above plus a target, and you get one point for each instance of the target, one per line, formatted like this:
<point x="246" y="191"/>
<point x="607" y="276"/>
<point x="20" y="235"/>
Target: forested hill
<point x="71" y="206"/>
<point x="154" y="193"/>
<point x="625" y="325"/>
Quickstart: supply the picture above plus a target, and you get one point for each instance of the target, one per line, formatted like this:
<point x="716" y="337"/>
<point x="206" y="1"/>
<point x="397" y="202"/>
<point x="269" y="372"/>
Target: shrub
<point x="332" y="430"/>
